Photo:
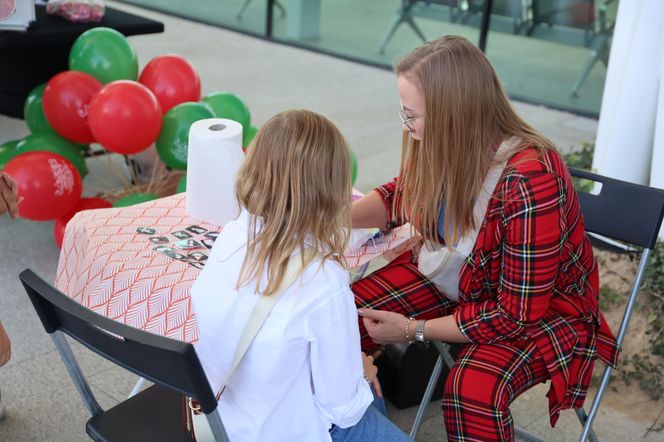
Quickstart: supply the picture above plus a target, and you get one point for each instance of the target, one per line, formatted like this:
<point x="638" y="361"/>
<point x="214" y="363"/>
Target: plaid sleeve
<point x="387" y="194"/>
<point x="530" y="260"/>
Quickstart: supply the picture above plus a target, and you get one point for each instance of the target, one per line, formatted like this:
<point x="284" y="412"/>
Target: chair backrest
<point x="167" y="362"/>
<point x="624" y="211"/>
<point x="573" y="13"/>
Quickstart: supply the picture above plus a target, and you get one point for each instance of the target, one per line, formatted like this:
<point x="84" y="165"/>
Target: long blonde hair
<point x="296" y="184"/>
<point x="466" y="113"/>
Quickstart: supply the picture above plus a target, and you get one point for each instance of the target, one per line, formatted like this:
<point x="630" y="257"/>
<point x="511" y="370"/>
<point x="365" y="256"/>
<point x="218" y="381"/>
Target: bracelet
<point x="406" y="331"/>
<point x="367" y="379"/>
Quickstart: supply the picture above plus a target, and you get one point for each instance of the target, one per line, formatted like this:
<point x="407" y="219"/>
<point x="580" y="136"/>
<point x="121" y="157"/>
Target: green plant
<point x="646" y="372"/>
<point x="653" y="287"/>
<point x="654" y="280"/>
<point x="581" y="159"/>
<point x="644" y="367"/>
<point x="609" y="297"/>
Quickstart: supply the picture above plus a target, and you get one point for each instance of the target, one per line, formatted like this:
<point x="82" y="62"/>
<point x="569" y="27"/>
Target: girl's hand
<point x="370" y="372"/>
<point x="385" y="327"/>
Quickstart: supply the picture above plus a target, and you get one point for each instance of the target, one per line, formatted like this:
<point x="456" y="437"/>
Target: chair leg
<point x="281" y="8"/>
<point x="596" y="53"/>
<point x="67" y="356"/>
<point x="242" y="9"/>
<point x="427" y="396"/>
<point x="583" y="418"/>
<point x="445" y="357"/>
<point x="416" y="28"/>
<point x="631" y="301"/>
<point x="398" y="19"/>
<point x="444" y="351"/>
<point x="402" y="16"/>
<point x="587" y="420"/>
<point x="217" y="427"/>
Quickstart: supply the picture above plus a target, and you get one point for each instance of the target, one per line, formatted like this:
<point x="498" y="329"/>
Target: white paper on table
<point x="214" y="158"/>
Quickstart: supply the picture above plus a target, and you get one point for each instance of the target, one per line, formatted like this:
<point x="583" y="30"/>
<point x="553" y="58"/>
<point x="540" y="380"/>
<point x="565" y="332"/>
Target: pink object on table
<point x="90" y="11"/>
<point x="110" y="268"/>
<point x="7" y="8"/>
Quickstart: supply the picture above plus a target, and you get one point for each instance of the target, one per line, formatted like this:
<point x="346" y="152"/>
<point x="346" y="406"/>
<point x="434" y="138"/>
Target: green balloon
<point x="182" y="184"/>
<point x="353" y="166"/>
<point x="33" y="111"/>
<point x="50" y="142"/>
<point x="134" y="198"/>
<point x="105" y="54"/>
<point x="228" y="105"/>
<point x="7" y="151"/>
<point x="174" y="136"/>
<point x="248" y="135"/>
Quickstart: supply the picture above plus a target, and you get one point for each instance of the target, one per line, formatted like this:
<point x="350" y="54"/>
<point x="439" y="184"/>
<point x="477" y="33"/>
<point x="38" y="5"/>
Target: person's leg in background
<point x="5" y="355"/>
<point x="399" y="287"/>
<point x="484" y="381"/>
<point x="9" y="201"/>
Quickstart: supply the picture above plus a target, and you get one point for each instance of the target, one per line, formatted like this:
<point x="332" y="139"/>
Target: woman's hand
<point x="369" y="211"/>
<point x="385" y="327"/>
<point x="9" y="195"/>
<point x="370" y="372"/>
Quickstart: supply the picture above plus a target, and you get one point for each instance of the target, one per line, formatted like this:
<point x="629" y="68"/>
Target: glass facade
<point x="552" y="52"/>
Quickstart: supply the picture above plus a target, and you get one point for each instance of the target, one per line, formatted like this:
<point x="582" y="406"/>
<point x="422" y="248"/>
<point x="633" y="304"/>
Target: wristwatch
<point x="419" y="331"/>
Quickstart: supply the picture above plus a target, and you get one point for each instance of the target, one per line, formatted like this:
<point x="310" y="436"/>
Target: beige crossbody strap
<point x="443" y="265"/>
<point x="259" y="314"/>
<point x="467" y="243"/>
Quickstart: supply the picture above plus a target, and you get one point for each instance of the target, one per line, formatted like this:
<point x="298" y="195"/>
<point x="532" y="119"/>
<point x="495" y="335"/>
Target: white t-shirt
<point x="303" y="372"/>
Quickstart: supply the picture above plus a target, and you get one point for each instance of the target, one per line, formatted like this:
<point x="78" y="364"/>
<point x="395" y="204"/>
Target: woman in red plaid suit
<point x="523" y="297"/>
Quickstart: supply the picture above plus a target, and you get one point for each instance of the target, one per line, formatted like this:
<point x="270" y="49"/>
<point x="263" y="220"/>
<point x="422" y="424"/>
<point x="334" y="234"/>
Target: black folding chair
<point x="437" y="9"/>
<point x="621" y="211"/>
<point x="590" y="17"/>
<point x="153" y="414"/>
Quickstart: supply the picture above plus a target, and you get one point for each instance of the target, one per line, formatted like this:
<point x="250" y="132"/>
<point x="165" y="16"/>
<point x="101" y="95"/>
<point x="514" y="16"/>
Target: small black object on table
<point x="30" y="58"/>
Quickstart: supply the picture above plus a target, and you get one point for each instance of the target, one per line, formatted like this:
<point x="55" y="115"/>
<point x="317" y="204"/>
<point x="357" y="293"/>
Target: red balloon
<point x="66" y="100"/>
<point x="172" y="79"/>
<point x="83" y="204"/>
<point x="125" y="117"/>
<point x="50" y="184"/>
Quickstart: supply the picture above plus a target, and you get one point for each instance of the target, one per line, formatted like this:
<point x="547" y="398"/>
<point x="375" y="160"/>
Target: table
<point x="111" y="269"/>
<point x="32" y="57"/>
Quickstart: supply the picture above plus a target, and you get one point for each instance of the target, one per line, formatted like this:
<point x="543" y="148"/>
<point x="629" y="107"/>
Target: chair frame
<point x="246" y="3"/>
<point x="597" y="35"/>
<point x="636" y="212"/>
<point x="168" y="363"/>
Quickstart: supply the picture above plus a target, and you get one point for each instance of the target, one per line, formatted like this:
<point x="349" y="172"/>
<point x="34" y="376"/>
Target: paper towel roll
<point x="214" y="158"/>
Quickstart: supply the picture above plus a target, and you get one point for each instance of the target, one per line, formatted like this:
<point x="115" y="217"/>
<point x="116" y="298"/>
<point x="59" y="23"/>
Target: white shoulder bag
<point x="441" y="264"/>
<point x="195" y="421"/>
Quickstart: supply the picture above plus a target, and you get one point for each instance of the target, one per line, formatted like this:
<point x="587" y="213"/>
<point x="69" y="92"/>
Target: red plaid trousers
<point x="399" y="287"/>
<point x="486" y="378"/>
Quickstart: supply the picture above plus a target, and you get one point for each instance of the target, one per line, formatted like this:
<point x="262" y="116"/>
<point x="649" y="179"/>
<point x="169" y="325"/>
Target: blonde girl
<point x="303" y="377"/>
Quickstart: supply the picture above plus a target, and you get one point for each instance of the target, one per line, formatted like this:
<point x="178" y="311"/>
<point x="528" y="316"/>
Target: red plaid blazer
<point x="532" y="275"/>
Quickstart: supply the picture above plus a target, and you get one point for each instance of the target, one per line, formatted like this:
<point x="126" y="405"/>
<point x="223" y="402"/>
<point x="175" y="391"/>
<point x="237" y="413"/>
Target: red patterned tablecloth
<point x="110" y="268"/>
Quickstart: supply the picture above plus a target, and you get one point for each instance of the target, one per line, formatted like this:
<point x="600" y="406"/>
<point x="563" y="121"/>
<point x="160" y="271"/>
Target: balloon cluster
<point x="103" y="99"/>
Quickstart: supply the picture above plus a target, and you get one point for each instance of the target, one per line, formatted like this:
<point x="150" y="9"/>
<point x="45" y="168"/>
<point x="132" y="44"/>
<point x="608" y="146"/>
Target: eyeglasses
<point x="406" y="120"/>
